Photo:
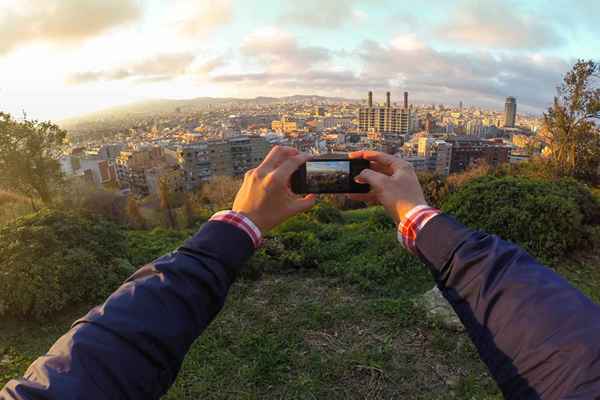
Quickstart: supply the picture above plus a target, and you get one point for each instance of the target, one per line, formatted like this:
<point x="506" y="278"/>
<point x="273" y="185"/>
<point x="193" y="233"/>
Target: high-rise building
<point x="386" y="119"/>
<point x="232" y="157"/>
<point x="510" y="112"/>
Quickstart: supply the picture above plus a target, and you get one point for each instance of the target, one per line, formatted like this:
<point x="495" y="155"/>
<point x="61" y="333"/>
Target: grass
<point x="333" y="319"/>
<point x="299" y="335"/>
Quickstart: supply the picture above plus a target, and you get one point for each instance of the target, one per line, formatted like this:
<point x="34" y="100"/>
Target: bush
<point x="146" y="246"/>
<point x="326" y="213"/>
<point x="549" y="219"/>
<point x="52" y="259"/>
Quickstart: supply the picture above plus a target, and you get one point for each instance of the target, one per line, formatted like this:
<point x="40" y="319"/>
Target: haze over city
<point x="61" y="58"/>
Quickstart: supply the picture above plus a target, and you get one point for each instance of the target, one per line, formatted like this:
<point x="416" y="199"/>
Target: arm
<point x="133" y="345"/>
<point x="537" y="334"/>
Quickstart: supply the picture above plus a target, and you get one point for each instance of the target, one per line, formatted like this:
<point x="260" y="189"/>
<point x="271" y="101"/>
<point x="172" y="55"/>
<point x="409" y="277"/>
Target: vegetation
<point x="29" y="153"/>
<point x="550" y="219"/>
<point x="571" y="124"/>
<point x="51" y="259"/>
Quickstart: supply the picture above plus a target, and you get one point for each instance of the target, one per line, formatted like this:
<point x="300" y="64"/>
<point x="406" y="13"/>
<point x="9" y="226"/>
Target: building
<point x="284" y="126"/>
<point x="510" y="112"/>
<point x="140" y="170"/>
<point x="110" y="151"/>
<point x="468" y="152"/>
<point x="231" y="157"/>
<point x="438" y="154"/>
<point x="386" y="119"/>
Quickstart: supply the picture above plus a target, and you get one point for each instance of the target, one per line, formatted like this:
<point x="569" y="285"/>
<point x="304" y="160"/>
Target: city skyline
<point x="60" y="58"/>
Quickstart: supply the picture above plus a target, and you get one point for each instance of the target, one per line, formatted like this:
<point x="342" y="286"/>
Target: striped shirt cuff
<point x="242" y="222"/>
<point x="412" y="224"/>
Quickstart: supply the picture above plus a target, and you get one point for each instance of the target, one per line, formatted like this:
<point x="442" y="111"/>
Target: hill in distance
<point x="165" y="106"/>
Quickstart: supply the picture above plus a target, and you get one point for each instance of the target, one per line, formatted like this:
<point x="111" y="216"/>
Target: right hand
<point x="393" y="181"/>
<point x="265" y="196"/>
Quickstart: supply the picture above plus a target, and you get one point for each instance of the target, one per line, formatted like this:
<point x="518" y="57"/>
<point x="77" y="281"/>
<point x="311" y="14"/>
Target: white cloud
<point x="62" y="21"/>
<point x="326" y="14"/>
<point x="158" y="68"/>
<point x="279" y="51"/>
<point x="211" y="15"/>
<point x="498" y="24"/>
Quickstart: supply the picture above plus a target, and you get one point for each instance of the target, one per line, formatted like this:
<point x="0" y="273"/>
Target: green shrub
<point x="52" y="259"/>
<point x="146" y="246"/>
<point x="549" y="219"/>
<point x="326" y="213"/>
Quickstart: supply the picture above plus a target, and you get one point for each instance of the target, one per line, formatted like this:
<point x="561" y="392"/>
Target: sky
<point x="62" y="58"/>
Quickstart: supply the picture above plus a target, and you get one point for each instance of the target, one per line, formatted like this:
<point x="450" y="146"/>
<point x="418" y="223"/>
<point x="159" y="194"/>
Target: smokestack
<point x="406" y="100"/>
<point x="370" y="99"/>
<point x="388" y="100"/>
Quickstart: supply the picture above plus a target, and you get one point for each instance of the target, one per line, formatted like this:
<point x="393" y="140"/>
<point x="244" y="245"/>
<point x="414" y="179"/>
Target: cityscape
<point x="316" y="199"/>
<point x="189" y="145"/>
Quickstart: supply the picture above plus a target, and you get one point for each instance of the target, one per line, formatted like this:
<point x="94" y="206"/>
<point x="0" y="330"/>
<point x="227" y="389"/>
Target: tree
<point x="165" y="204"/>
<point x="134" y="216"/>
<point x="29" y="153"/>
<point x="220" y="192"/>
<point x="571" y="124"/>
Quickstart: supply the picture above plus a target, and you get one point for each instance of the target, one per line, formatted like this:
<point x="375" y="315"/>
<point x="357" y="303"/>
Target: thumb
<point x="375" y="179"/>
<point x="304" y="203"/>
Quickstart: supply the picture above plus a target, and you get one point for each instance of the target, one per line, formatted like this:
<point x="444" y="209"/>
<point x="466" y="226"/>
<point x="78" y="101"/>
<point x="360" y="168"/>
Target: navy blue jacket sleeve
<point x="132" y="346"/>
<point x="538" y="335"/>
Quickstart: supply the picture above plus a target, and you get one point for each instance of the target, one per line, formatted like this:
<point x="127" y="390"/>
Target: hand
<point x="266" y="196"/>
<point x="393" y="181"/>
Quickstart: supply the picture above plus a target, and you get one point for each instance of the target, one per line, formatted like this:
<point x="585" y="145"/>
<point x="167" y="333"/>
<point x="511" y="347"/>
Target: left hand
<point x="266" y="196"/>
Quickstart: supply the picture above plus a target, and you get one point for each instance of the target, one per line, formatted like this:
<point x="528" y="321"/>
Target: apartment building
<point x="230" y="157"/>
<point x="387" y="119"/>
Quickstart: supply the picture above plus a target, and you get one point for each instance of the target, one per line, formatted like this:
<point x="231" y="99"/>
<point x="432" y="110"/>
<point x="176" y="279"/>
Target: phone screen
<point x="329" y="176"/>
<point x="332" y="176"/>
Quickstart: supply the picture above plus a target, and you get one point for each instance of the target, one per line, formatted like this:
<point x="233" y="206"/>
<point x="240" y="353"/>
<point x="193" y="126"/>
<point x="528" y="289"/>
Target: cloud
<point x="476" y="77"/>
<point x="158" y="68"/>
<point x="326" y="14"/>
<point x="214" y="14"/>
<point x="62" y="21"/>
<point x="498" y="24"/>
<point x="279" y="51"/>
<point x="208" y="66"/>
<point x="479" y="78"/>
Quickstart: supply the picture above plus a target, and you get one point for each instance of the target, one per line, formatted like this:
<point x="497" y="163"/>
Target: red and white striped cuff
<point x="413" y="222"/>
<point x="242" y="222"/>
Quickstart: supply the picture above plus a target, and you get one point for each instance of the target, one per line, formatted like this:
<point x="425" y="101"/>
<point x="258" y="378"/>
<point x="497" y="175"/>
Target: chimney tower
<point x="406" y="100"/>
<point x="370" y="99"/>
<point x="388" y="100"/>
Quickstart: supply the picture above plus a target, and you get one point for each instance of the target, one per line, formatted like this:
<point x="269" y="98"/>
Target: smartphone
<point x="329" y="176"/>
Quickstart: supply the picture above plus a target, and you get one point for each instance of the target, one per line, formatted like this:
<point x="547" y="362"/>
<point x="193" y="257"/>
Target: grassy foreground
<point x="334" y="320"/>
<point x="302" y="336"/>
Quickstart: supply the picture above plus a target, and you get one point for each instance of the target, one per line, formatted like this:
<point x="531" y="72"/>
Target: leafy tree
<point x="134" y="216"/>
<point x="165" y="204"/>
<point x="220" y="192"/>
<point x="571" y="124"/>
<point x="29" y="153"/>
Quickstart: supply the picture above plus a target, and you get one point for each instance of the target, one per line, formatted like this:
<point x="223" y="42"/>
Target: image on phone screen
<point x="331" y="176"/>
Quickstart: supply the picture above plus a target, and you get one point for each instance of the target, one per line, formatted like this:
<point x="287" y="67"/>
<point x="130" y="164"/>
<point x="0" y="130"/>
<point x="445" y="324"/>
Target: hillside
<point x="166" y="106"/>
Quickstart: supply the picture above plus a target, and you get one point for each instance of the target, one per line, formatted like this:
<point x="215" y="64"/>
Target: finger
<point x="355" y="154"/>
<point x="375" y="179"/>
<point x="276" y="156"/>
<point x="382" y="158"/>
<point x="305" y="203"/>
<point x="378" y="167"/>
<point x="284" y="171"/>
